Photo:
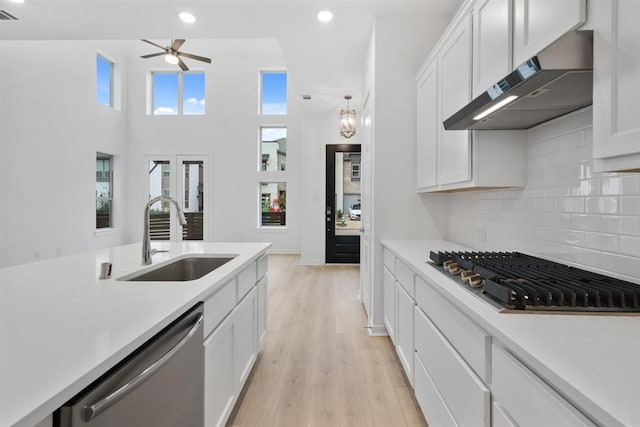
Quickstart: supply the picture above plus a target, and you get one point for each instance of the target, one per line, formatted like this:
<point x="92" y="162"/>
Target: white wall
<point x="566" y="211"/>
<point x="228" y="134"/>
<point x="401" y="44"/>
<point x="51" y="128"/>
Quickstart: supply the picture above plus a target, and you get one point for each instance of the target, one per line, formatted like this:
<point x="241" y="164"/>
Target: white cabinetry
<point x="389" y="303"/>
<point x="538" y="23"/>
<point x="519" y="391"/>
<point x="235" y="321"/>
<point x="454" y="147"/>
<point x="429" y="125"/>
<point x="616" y="85"/>
<point x="461" y="160"/>
<point x="404" y="330"/>
<point x="492" y="28"/>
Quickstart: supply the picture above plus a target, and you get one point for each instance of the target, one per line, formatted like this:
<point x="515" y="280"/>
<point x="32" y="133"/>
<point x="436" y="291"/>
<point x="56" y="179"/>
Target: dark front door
<point x="343" y="203"/>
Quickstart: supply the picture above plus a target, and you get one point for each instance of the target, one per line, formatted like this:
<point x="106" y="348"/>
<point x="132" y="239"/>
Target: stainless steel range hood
<point x="555" y="82"/>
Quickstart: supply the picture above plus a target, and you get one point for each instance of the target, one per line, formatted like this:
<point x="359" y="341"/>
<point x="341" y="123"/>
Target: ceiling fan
<point x="173" y="56"/>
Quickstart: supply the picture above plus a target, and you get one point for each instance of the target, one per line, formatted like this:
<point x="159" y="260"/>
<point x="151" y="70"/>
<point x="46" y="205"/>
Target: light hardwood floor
<point x="319" y="366"/>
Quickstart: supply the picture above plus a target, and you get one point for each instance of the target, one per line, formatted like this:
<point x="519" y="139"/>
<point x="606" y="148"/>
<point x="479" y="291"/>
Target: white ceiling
<point x="324" y="59"/>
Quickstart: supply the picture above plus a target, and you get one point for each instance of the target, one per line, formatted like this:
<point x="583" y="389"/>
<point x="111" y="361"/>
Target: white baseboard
<point x="377" y="331"/>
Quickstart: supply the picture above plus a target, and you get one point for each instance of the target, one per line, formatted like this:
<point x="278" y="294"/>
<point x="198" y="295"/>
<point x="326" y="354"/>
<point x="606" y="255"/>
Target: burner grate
<point x="525" y="282"/>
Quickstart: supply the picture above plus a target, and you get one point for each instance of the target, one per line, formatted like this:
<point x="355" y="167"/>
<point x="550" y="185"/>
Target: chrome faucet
<point x="146" y="238"/>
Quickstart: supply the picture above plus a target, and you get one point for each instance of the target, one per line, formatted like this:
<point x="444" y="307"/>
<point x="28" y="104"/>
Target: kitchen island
<point x="61" y="327"/>
<point x="579" y="366"/>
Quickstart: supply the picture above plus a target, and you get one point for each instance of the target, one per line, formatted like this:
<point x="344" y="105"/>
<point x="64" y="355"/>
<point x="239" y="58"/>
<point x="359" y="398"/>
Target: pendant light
<point x="347" y="120"/>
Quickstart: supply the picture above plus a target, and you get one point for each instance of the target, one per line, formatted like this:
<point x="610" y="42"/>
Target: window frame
<point x="261" y="153"/>
<point x="260" y="199"/>
<point x="355" y="171"/>
<point x="180" y="102"/>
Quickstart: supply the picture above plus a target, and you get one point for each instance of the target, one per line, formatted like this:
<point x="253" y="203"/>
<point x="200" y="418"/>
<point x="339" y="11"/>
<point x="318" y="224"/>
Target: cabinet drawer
<point x="433" y="407"/>
<point x="246" y="280"/>
<point x="465" y="395"/>
<point x="389" y="261"/>
<point x="219" y="305"/>
<point x="263" y="264"/>
<point x="473" y="344"/>
<point x="405" y="275"/>
<point x="527" y="399"/>
<point x="499" y="417"/>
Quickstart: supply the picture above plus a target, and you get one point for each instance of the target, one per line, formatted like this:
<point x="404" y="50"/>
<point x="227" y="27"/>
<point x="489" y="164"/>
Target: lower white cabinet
<point x="404" y="330"/>
<point x="500" y="418"/>
<point x="466" y="396"/>
<point x="526" y="398"/>
<point x="219" y="392"/>
<point x="237" y="324"/>
<point x="389" y="303"/>
<point x="429" y="398"/>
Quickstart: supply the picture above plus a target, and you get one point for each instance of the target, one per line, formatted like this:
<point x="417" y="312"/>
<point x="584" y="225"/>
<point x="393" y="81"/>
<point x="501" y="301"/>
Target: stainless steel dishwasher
<point x="160" y="385"/>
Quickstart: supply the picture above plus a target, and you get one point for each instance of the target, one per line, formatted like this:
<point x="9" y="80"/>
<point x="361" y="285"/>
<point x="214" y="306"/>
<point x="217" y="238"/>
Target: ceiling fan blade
<point x="182" y="65"/>
<point x="151" y="55"/>
<point x="196" y="57"/>
<point x="176" y="44"/>
<point x="154" y="44"/>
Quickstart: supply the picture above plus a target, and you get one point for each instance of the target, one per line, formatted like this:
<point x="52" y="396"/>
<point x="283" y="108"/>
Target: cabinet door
<point x="389" y="303"/>
<point x="433" y="407"/>
<point x="454" y="147"/>
<point x="262" y="310"/>
<point x="538" y="23"/>
<point x="404" y="330"/>
<point x="428" y="125"/>
<point x="491" y="43"/>
<point x="616" y="80"/>
<point x="246" y="337"/>
<point x="219" y="387"/>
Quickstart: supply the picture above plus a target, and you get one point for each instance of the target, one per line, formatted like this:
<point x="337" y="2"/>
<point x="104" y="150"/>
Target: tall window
<point x="104" y="79"/>
<point x="274" y="93"/>
<point x="178" y="93"/>
<point x="104" y="191"/>
<point x="273" y="148"/>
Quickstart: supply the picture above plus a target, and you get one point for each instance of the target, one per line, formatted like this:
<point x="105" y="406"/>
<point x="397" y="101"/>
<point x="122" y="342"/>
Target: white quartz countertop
<point x="61" y="327"/>
<point x="591" y="360"/>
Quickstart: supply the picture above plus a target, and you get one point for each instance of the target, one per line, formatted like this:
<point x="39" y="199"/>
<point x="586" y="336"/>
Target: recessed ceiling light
<point x="187" y="17"/>
<point x="17" y="1"/>
<point x="325" y="16"/>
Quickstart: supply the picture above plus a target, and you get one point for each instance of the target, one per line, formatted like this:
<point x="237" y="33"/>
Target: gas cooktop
<point x="518" y="282"/>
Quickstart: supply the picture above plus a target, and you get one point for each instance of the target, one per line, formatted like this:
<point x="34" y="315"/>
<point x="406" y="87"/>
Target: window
<point x="104" y="80"/>
<point x="273" y="204"/>
<point x="104" y="191"/>
<point x="355" y="171"/>
<point x="178" y="93"/>
<point x="273" y="148"/>
<point x="274" y="93"/>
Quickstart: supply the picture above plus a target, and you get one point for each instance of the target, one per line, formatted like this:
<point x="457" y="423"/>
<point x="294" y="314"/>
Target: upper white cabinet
<point x="492" y="27"/>
<point x="454" y="147"/>
<point x="460" y="159"/>
<point x="537" y="23"/>
<point x="616" y="85"/>
<point x="429" y="124"/>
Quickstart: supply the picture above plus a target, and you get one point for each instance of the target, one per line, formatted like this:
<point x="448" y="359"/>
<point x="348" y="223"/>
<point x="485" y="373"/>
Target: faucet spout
<point x="146" y="238"/>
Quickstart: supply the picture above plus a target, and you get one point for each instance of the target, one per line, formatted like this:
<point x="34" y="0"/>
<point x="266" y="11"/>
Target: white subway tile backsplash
<point x="566" y="211"/>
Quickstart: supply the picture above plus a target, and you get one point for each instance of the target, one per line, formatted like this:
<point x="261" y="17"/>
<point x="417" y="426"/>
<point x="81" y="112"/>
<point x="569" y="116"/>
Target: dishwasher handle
<point x="92" y="411"/>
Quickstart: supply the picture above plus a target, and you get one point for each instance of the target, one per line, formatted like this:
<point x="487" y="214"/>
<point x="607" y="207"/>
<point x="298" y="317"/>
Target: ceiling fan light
<point x="187" y="17"/>
<point x="171" y="58"/>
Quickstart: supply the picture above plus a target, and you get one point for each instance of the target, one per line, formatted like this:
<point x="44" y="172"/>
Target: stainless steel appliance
<point x="517" y="282"/>
<point x="160" y="385"/>
<point x="556" y="81"/>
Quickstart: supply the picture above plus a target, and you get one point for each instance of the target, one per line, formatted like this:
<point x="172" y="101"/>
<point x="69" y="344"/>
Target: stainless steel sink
<point x="180" y="270"/>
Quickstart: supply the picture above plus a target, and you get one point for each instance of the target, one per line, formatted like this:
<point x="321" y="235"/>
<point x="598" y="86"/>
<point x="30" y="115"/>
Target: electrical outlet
<point x="36" y="254"/>
<point x="481" y="235"/>
<point x="59" y="251"/>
